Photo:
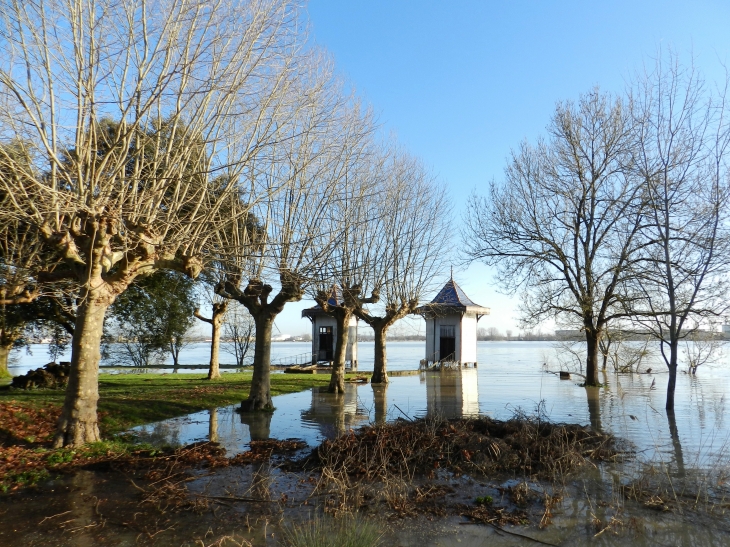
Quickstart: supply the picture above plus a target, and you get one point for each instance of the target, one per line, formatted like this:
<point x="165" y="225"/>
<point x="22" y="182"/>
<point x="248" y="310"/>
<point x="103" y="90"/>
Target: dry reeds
<point x="406" y="448"/>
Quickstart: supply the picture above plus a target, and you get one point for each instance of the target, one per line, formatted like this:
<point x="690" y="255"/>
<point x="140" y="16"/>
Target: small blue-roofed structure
<point x="324" y="333"/>
<point x="451" y="327"/>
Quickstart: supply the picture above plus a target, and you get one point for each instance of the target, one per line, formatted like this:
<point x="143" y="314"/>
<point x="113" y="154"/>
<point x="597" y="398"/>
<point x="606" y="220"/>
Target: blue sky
<point x="460" y="83"/>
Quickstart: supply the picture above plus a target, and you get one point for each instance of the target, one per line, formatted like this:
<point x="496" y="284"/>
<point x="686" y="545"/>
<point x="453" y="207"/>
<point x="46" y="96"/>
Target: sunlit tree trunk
<point x="259" y="397"/>
<point x="4" y="357"/>
<point x="380" y="375"/>
<point x="672" y="366"/>
<point x="78" y="422"/>
<point x="216" y="322"/>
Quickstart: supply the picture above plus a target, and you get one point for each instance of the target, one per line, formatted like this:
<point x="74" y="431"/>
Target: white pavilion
<point x="451" y="327"/>
<point x="324" y="333"/>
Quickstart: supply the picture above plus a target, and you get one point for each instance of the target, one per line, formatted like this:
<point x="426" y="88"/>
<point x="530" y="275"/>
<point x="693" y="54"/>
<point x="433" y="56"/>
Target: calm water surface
<point x="510" y="378"/>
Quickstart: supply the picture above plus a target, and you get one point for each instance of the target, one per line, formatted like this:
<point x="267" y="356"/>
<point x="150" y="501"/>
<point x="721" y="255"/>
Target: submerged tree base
<point x="256" y="405"/>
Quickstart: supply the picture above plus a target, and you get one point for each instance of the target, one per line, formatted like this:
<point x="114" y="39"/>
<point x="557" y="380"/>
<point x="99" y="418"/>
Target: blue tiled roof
<point x="453" y="295"/>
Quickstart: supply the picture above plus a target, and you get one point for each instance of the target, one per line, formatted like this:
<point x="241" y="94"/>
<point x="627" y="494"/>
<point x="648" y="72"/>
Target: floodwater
<point x="511" y="377"/>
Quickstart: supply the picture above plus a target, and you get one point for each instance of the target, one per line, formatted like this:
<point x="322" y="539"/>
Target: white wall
<point x="469" y="339"/>
<point x="433" y="335"/>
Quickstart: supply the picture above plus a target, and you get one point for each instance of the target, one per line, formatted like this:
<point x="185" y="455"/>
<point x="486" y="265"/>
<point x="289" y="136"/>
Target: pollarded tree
<point x="195" y="90"/>
<point x="563" y="225"/>
<point x="681" y="157"/>
<point x="219" y="307"/>
<point x="245" y="234"/>
<point x="343" y="281"/>
<point x="326" y="140"/>
<point x="407" y="250"/>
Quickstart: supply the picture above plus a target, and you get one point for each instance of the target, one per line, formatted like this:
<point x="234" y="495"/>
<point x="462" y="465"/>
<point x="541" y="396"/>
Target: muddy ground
<point x="422" y="482"/>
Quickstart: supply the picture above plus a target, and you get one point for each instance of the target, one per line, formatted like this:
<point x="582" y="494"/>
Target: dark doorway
<point x="325" y="344"/>
<point x="447" y="344"/>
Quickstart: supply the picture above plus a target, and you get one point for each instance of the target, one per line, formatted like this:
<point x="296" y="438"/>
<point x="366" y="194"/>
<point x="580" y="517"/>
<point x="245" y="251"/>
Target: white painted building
<point x="451" y="326"/>
<point x="324" y="334"/>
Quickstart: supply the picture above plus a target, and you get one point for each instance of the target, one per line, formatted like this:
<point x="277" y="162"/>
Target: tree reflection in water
<point x="380" y="402"/>
<point x="259" y="424"/>
<point x="213" y="425"/>
<point x="334" y="414"/>
<point x="594" y="407"/>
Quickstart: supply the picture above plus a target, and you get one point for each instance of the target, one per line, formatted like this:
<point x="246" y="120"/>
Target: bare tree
<point x="616" y="348"/>
<point x="681" y="158"/>
<point x="407" y="250"/>
<point x="702" y="348"/>
<point x="296" y="239"/>
<point x="134" y="110"/>
<point x="239" y="331"/>
<point x="563" y="226"/>
<point x="342" y="280"/>
<point x="219" y="307"/>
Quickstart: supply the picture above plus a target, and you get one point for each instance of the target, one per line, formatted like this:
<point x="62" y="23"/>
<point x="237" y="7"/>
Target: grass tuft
<point x="329" y="532"/>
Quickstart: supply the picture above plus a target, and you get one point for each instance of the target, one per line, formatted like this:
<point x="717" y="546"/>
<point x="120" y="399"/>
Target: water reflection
<point x="510" y="376"/>
<point x="452" y="393"/>
<point x="259" y="424"/>
<point x="676" y="444"/>
<point x="333" y="414"/>
<point x="213" y="426"/>
<point x="594" y="407"/>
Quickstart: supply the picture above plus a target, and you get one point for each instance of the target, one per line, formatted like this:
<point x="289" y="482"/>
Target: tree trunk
<point x="337" y="380"/>
<point x="215" y="344"/>
<point x="380" y="375"/>
<point x="673" y="354"/>
<point x="259" y="398"/>
<point x="4" y="356"/>
<point x="78" y="422"/>
<point x="592" y="357"/>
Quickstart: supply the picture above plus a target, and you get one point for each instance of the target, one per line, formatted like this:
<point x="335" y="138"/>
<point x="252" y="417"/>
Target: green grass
<point x="127" y="400"/>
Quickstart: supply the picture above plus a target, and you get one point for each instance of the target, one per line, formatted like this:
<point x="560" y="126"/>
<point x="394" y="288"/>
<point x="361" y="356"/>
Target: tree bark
<point x="259" y="398"/>
<point x="672" y="384"/>
<point x="78" y="422"/>
<point x="4" y="356"/>
<point x="215" y="344"/>
<point x="216" y="322"/>
<point x="380" y="374"/>
<point x="337" y="380"/>
<point x="592" y="336"/>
